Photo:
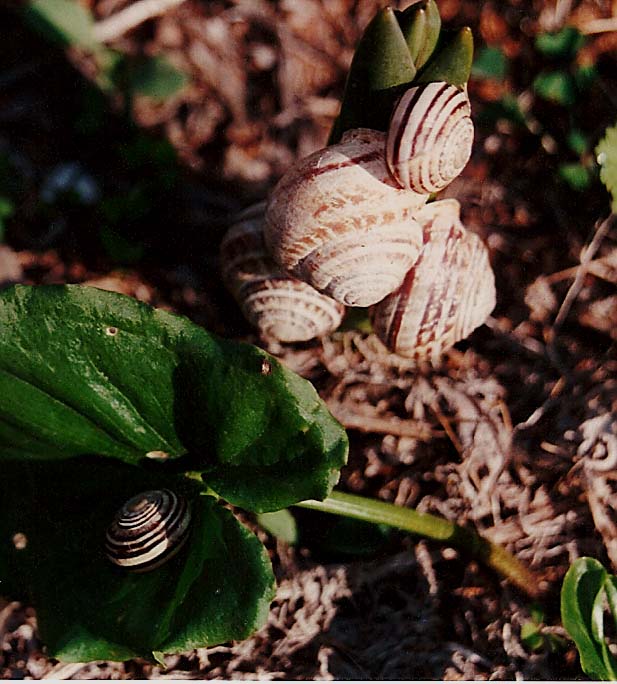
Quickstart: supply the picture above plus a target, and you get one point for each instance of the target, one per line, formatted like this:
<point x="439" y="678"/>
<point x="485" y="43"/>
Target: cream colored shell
<point x="430" y="137"/>
<point x="338" y="221"/>
<point x="448" y="293"/>
<point x="279" y="306"/>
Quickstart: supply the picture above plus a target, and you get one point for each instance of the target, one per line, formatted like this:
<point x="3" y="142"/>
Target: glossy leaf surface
<point x="582" y="614"/>
<point x="218" y="587"/>
<point x="84" y="371"/>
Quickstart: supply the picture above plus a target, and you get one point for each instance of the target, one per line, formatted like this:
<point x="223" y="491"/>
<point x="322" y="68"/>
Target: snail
<point x="430" y="137"/>
<point x="279" y="306"/>
<point x="338" y="221"/>
<point x="148" y="530"/>
<point x="448" y="292"/>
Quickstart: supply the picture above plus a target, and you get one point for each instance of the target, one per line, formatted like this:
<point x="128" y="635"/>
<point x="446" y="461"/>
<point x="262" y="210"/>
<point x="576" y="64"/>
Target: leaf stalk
<point x="431" y="527"/>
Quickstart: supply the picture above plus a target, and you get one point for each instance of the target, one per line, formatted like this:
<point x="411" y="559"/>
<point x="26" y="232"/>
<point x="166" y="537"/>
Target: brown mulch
<point x="513" y="434"/>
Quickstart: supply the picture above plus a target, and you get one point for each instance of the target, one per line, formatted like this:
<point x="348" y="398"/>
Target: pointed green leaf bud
<point x="413" y="25"/>
<point x="431" y="34"/>
<point x="451" y="61"/>
<point x="380" y="69"/>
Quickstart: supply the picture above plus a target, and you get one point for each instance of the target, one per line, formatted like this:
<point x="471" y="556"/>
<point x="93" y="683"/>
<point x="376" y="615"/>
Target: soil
<point x="513" y="433"/>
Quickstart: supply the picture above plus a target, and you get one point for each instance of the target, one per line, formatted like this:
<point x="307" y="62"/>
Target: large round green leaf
<point x="53" y="518"/>
<point x="84" y="371"/>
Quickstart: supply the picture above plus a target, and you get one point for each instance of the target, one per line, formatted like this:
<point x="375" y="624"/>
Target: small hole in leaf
<point x="266" y="367"/>
<point x="20" y="541"/>
<point x="112" y="331"/>
<point x="157" y="455"/>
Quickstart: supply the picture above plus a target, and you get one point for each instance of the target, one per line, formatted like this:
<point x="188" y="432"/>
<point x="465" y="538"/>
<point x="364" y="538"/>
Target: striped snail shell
<point x="338" y="221"/>
<point x="279" y="306"/>
<point x="430" y="137"/>
<point x="448" y="293"/>
<point x="148" y="530"/>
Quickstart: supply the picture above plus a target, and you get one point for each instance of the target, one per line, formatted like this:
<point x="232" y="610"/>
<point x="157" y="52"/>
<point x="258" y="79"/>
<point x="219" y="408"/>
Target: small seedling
<point x="587" y="592"/>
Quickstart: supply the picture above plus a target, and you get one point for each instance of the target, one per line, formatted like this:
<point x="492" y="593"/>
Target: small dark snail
<point x="148" y="530"/>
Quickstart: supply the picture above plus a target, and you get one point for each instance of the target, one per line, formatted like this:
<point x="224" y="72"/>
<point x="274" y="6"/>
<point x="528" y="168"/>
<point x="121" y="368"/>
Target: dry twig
<point x="115" y="26"/>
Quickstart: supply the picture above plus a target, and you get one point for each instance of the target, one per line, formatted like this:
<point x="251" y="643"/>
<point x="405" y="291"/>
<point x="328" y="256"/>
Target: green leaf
<point x="577" y="141"/>
<point x="577" y="176"/>
<point x="6" y="211"/>
<point x="563" y="44"/>
<point x="537" y="613"/>
<point x="451" y="62"/>
<point x="156" y="78"/>
<point x="357" y="318"/>
<point x="120" y="249"/>
<point x="380" y="69"/>
<point x="159" y="657"/>
<point x="281" y="524"/>
<point x="556" y="86"/>
<point x="84" y="371"/>
<point x="606" y="153"/>
<point x="413" y="23"/>
<point x="63" y="21"/>
<point x="348" y="537"/>
<point x="584" y="76"/>
<point x="531" y="636"/>
<point x="431" y="34"/>
<point x="217" y="588"/>
<point x="7" y="208"/>
<point x="490" y="63"/>
<point x="610" y="586"/>
<point x="582" y="593"/>
<point x="506" y="108"/>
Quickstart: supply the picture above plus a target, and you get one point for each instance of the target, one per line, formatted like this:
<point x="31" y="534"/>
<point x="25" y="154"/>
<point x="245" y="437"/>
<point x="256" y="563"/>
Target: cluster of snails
<point x="148" y="530"/>
<point x="350" y="225"/>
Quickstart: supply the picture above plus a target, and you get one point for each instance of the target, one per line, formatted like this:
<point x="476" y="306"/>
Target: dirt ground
<point x="513" y="434"/>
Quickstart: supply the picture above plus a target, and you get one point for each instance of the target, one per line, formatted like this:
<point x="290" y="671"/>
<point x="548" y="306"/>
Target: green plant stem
<point x="432" y="527"/>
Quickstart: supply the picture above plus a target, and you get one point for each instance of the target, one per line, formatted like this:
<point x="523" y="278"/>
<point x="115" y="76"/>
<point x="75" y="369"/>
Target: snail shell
<point x="338" y="221"/>
<point x="449" y="292"/>
<point x="148" y="530"/>
<point x="279" y="306"/>
<point x="430" y="137"/>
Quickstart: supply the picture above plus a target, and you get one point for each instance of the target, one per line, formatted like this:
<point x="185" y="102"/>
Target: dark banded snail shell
<point x="430" y="137"/>
<point x="148" y="530"/>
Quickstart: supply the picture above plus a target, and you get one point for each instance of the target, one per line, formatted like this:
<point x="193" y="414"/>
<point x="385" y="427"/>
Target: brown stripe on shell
<point x="278" y="305"/>
<point x="398" y="125"/>
<point x="446" y="295"/>
<point x="330" y="212"/>
<point x="430" y="137"/>
<point x="431" y="105"/>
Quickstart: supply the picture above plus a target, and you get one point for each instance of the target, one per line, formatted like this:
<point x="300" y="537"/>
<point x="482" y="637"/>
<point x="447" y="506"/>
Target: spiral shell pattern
<point x="338" y="221"/>
<point x="148" y="530"/>
<point x="448" y="293"/>
<point x="430" y="137"/>
<point x="279" y="306"/>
